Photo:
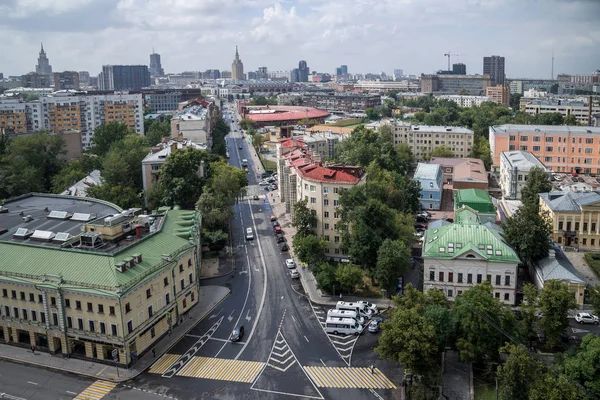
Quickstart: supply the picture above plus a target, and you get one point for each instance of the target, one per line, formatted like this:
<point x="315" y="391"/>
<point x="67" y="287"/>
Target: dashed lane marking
<point x="221" y="369"/>
<point x="349" y="378"/>
<point x="163" y="363"/>
<point x="96" y="390"/>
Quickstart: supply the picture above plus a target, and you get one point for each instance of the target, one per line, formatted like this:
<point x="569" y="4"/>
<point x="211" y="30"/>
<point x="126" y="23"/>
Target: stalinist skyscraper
<point x="43" y="66"/>
<point x="237" y="68"/>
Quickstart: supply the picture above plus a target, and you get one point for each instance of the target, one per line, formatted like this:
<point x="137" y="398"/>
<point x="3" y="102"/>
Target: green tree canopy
<point x="392" y="262"/>
<point x="310" y="248"/>
<point x="481" y="150"/>
<point x="519" y="373"/>
<point x="537" y="182"/>
<point x="349" y="276"/>
<point x="583" y="365"/>
<point x="122" y="163"/>
<point x="443" y="151"/>
<point x="123" y="196"/>
<point x="247" y="123"/>
<point x="303" y="219"/>
<point x="528" y="232"/>
<point x="157" y="131"/>
<point x="107" y="134"/>
<point x="70" y="173"/>
<point x="219" y="145"/>
<point x="372" y="114"/>
<point x="555" y="301"/>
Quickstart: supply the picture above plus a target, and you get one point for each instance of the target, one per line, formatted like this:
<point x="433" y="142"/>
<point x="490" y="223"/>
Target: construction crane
<point x="448" y="54"/>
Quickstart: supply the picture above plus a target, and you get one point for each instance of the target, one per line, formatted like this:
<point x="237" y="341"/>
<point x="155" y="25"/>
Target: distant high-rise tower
<point x="303" y="71"/>
<point x="123" y="77"/>
<point x="494" y="66"/>
<point x="156" y="68"/>
<point x="459" y="69"/>
<point x="237" y="68"/>
<point x="43" y="66"/>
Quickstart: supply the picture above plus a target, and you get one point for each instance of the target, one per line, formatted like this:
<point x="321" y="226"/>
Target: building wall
<point x="422" y="143"/>
<point x="475" y="267"/>
<point x="13" y="117"/>
<point x="120" y="112"/>
<point x="581" y="113"/>
<point x="560" y="152"/>
<point x="65" y="117"/>
<point x="575" y="229"/>
<point x="499" y="94"/>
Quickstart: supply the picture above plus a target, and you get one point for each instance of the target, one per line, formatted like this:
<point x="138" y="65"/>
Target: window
<point x="77" y="304"/>
<point x="450" y="276"/>
<point x="460" y="277"/>
<point x="497" y="295"/>
<point x="92" y="326"/>
<point x="537" y="139"/>
<point x="469" y="278"/>
<point x="13" y="294"/>
<point x="511" y="137"/>
<point x="507" y="280"/>
<point x="113" y="329"/>
<point x="192" y="296"/>
<point x="189" y="262"/>
<point x="184" y="302"/>
<point x="325" y="189"/>
<point x="43" y="317"/>
<point x="127" y="308"/>
<point x="166" y="282"/>
<point x="325" y="202"/>
<point x="168" y="298"/>
<point x="33" y="315"/>
<point x="313" y="188"/>
<point x="336" y="190"/>
<point x="548" y="159"/>
<point x="53" y="301"/>
<point x="67" y="303"/>
<point x="191" y="277"/>
<point x="22" y="294"/>
<point x="180" y="267"/>
<point x="506" y="296"/>
<point x="80" y="323"/>
<point x="589" y="140"/>
<point x="103" y="328"/>
<point x="326" y="214"/>
<point x="549" y="139"/>
<point x="593" y="242"/>
<point x="479" y="277"/>
<point x="32" y="297"/>
<point x="549" y="149"/>
<point x="90" y="307"/>
<point x="55" y="319"/>
<point x="449" y="292"/>
<point x="101" y="308"/>
<point x="24" y="313"/>
<point x="313" y="200"/>
<point x="15" y="312"/>
<point x="524" y="138"/>
<point x="336" y="239"/>
<point x="148" y="293"/>
<point x="182" y="283"/>
<point x="584" y="241"/>
<point x="560" y="224"/>
<point x="4" y="293"/>
<point x="152" y="332"/>
<point x="130" y="326"/>
<point x="441" y="276"/>
<point x="588" y="150"/>
<point x="523" y="148"/>
<point x="432" y="275"/>
<point x="593" y="227"/>
<point x="536" y="148"/>
<point x="7" y="311"/>
<point x="150" y="312"/>
<point x="498" y="280"/>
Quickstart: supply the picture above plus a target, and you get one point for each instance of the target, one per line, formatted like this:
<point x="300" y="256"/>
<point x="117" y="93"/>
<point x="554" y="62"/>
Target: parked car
<point x="294" y="273"/>
<point x="370" y="306"/>
<point x="237" y="334"/>
<point x="278" y="229"/>
<point x="265" y="175"/>
<point x="586" y="318"/>
<point x="421" y="220"/>
<point x="275" y="224"/>
<point x="424" y="214"/>
<point x="290" y="263"/>
<point x="280" y="238"/>
<point x="375" y="324"/>
<point x="273" y="218"/>
<point x="283" y="246"/>
<point x="255" y="197"/>
<point x="264" y="183"/>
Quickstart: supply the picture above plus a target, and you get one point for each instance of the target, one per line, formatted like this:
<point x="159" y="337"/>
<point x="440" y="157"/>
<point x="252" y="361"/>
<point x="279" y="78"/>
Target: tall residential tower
<point x="156" y="68"/>
<point x="494" y="67"/>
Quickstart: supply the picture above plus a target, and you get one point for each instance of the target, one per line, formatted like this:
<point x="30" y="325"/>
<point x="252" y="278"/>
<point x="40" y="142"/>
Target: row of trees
<point x="486" y="332"/>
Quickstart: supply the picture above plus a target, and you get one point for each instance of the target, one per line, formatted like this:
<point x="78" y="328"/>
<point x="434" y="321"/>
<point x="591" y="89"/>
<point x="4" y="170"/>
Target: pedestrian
<point x="153" y="353"/>
<point x="33" y="349"/>
<point x="340" y="296"/>
<point x="372" y="369"/>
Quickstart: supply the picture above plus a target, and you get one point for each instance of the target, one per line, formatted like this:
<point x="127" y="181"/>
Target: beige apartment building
<point x="13" y="116"/>
<point x="423" y="139"/>
<point x="303" y="176"/>
<point x="581" y="109"/>
<point x="499" y="94"/>
<point x="83" y="278"/>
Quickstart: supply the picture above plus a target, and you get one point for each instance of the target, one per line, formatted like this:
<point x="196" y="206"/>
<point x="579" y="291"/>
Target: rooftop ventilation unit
<point x="59" y="215"/>
<point x="62" y="237"/>
<point x="81" y="217"/>
<point x="44" y="236"/>
<point x="22" y="233"/>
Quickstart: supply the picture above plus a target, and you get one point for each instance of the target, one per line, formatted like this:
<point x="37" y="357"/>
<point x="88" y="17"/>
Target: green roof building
<point x="478" y="200"/>
<point x="82" y="276"/>
<point x="460" y="255"/>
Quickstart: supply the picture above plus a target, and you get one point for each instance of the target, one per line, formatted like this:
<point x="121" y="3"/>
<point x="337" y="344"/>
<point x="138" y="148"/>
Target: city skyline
<point x="325" y="35"/>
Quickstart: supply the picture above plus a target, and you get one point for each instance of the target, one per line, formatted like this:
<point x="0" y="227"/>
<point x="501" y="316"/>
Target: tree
<point x="537" y="182"/>
<point x="349" y="276"/>
<point x="519" y="373"/>
<point x="257" y="141"/>
<point x="70" y="173"/>
<point x="157" y="131"/>
<point x="583" y="365"/>
<point x="571" y="120"/>
<point x="595" y="298"/>
<point x="372" y="114"/>
<point x="215" y="240"/>
<point x="477" y="314"/>
<point x="107" y="134"/>
<point x="409" y="339"/>
<point x="443" y="151"/>
<point x="219" y="145"/>
<point x="216" y="213"/>
<point x="555" y="302"/>
<point x="247" y="123"/>
<point x="121" y="164"/>
<point x="441" y="319"/>
<point x="481" y="150"/>
<point x="528" y="232"/>
<point x="123" y="196"/>
<point x="392" y="262"/>
<point x="303" y="218"/>
<point x="555" y="387"/>
<point x="310" y="248"/>
<point x="226" y="180"/>
<point x="326" y="277"/>
<point x="528" y="309"/>
<point x="180" y="178"/>
<point x="515" y="101"/>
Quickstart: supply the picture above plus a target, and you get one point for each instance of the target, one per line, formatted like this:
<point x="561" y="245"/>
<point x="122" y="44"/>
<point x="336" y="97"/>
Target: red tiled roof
<point x="285" y="113"/>
<point x="319" y="173"/>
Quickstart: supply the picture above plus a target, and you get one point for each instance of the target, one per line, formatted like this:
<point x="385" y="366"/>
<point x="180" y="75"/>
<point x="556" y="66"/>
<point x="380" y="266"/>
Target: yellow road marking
<point x="221" y="369"/>
<point x="163" y="363"/>
<point x="349" y="377"/>
<point x="96" y="390"/>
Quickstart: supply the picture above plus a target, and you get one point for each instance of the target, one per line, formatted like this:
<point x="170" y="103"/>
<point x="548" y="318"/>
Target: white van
<point x="249" y="234"/>
<point x="371" y="306"/>
<point x="346" y="314"/>
<point x="346" y="326"/>
<point x="360" y="309"/>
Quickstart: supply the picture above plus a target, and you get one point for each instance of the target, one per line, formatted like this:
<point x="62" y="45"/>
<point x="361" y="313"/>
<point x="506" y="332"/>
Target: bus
<point x="346" y="326"/>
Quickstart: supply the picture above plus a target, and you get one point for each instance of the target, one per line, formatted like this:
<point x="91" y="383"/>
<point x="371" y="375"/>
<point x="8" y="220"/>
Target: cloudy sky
<point x="366" y="35"/>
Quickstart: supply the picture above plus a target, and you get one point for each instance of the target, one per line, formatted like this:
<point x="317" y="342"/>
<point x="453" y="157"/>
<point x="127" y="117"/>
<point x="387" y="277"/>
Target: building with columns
<point x="82" y="277"/>
<point x="237" y="67"/>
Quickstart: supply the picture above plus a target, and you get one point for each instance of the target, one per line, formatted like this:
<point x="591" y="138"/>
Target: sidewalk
<point x="209" y="298"/>
<point x="457" y="377"/>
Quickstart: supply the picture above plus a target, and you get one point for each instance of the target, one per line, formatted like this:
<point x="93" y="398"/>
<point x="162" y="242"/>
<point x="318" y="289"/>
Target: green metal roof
<point x="93" y="271"/>
<point x="458" y="239"/>
<point x="478" y="199"/>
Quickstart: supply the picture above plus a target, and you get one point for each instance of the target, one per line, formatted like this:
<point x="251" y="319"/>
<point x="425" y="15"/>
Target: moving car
<point x="237" y="334"/>
<point x="290" y="263"/>
<point x="249" y="234"/>
<point x="294" y="273"/>
<point x="586" y="318"/>
<point x="240" y="147"/>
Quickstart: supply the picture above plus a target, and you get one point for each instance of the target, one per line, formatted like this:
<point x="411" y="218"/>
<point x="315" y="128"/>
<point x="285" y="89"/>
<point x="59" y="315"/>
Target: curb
<point x="116" y="380"/>
<point x="217" y="276"/>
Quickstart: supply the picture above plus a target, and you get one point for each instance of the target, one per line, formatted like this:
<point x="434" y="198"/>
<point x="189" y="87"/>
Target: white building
<point x="578" y="108"/>
<point x="514" y="170"/>
<point x="465" y="101"/>
<point x="193" y="123"/>
<point x="385" y="86"/>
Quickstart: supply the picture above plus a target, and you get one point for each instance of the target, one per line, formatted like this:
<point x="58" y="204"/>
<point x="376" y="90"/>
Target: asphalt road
<point x="283" y="334"/>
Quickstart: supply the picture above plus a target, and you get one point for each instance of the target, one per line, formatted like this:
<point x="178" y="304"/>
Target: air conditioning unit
<point x="324" y="194"/>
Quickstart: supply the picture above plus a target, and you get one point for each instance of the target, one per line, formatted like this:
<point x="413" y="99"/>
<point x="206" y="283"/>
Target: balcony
<point x="569" y="233"/>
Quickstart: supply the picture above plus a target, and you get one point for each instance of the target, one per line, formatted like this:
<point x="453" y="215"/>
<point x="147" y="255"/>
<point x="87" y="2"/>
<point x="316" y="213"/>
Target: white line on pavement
<point x="306" y="339"/>
<point x="33" y="383"/>
<point x="68" y="391"/>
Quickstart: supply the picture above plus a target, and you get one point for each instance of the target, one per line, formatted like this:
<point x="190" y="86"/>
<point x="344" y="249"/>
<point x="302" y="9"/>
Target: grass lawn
<point x="484" y="391"/>
<point x="268" y="164"/>
<point x="593" y="260"/>
<point x="347" y="123"/>
<point x="368" y="290"/>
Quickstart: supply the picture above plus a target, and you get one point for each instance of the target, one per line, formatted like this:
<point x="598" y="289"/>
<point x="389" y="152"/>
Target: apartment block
<point x="35" y="80"/>
<point x="463" y="254"/>
<point x="83" y="278"/>
<point x="303" y="176"/>
<point x="423" y="139"/>
<point x="346" y="102"/>
<point x="193" y="123"/>
<point x="76" y="112"/>
<point x="13" y="117"/>
<point x="499" y="94"/>
<point x="514" y="170"/>
<point x="475" y="85"/>
<point x="581" y="109"/>
<point x="463" y="173"/>
<point x="67" y="80"/>
<point x="560" y="148"/>
<point x="431" y="182"/>
<point x="465" y="101"/>
<point x="124" y="77"/>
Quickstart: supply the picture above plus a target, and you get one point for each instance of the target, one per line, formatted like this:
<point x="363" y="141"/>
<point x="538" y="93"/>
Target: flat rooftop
<point x="556" y="129"/>
<point x="440" y="129"/>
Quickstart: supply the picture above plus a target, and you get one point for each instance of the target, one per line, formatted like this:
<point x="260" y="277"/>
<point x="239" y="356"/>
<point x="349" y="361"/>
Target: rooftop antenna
<point x="552" y="76"/>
